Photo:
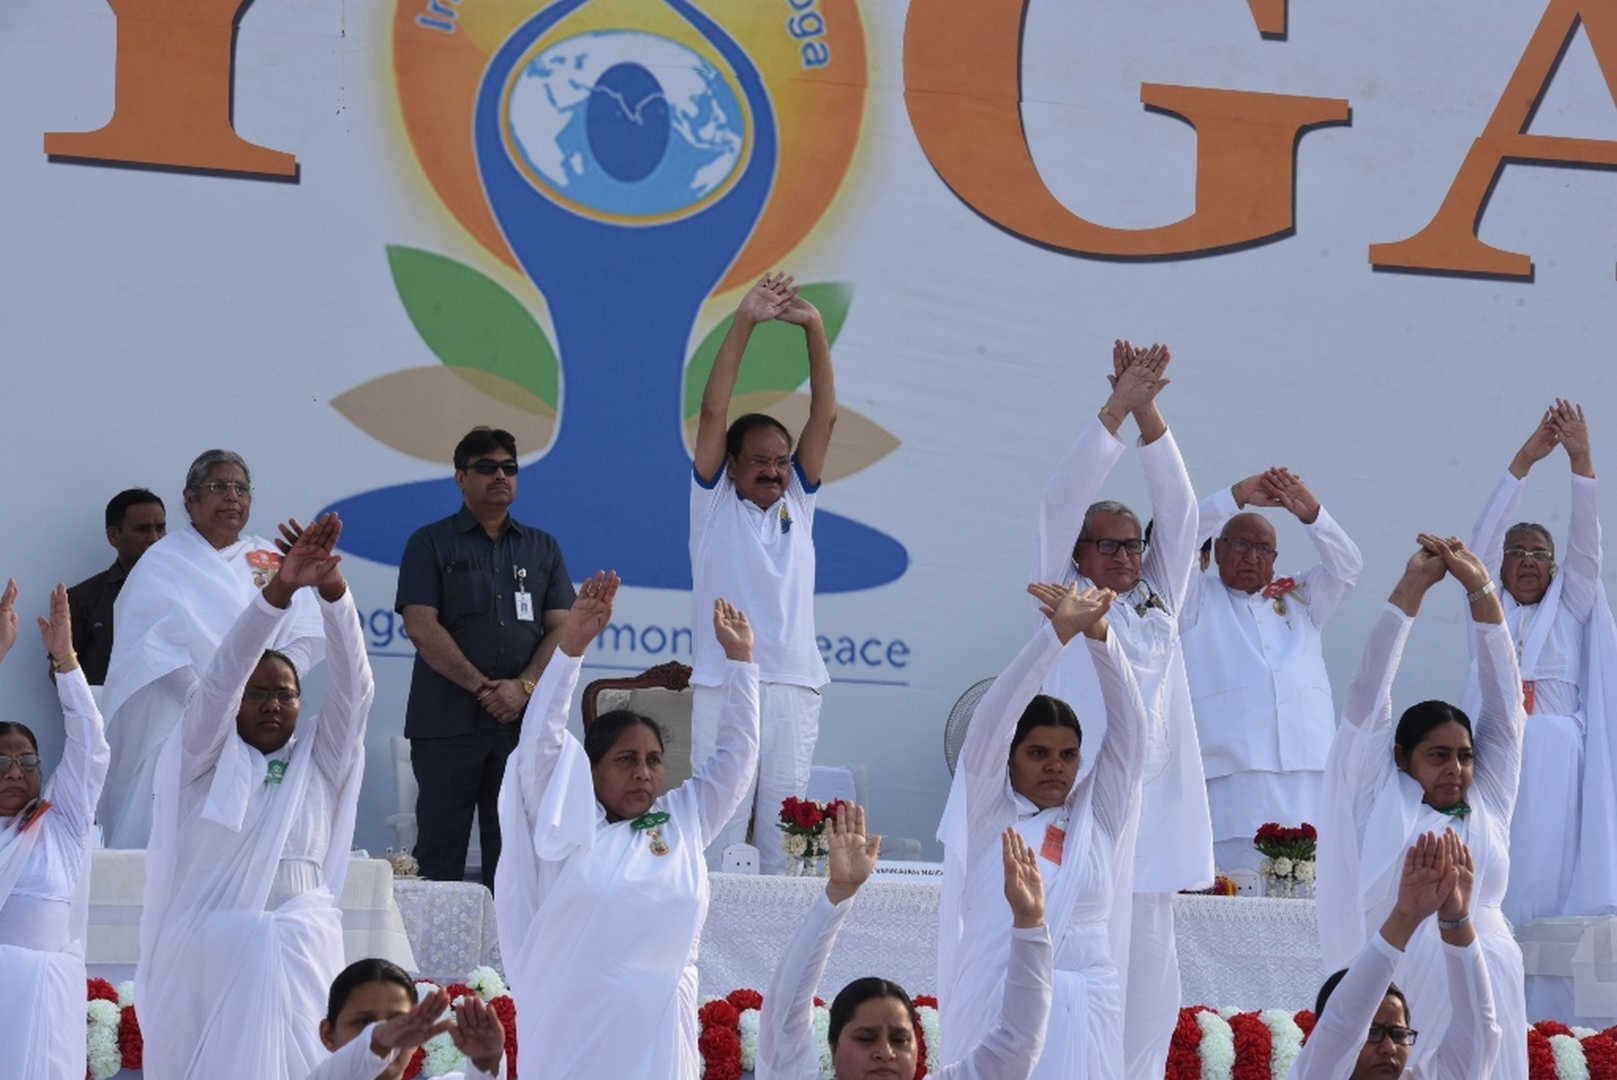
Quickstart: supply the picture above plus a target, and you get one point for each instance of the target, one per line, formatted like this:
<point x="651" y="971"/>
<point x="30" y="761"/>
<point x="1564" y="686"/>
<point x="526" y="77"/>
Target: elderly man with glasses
<point x="1256" y="661"/>
<point x="1563" y="849"/>
<point x="175" y="607"/>
<point x="483" y="598"/>
<point x="1099" y="543"/>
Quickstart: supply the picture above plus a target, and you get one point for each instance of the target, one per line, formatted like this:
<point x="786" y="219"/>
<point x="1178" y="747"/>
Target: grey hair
<point x="1533" y="526"/>
<point x="198" y="472"/>
<point x="1106" y="506"/>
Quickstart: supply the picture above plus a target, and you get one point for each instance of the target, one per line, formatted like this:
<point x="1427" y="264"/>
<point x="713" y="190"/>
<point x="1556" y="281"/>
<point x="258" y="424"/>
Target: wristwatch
<point x="527" y="686"/>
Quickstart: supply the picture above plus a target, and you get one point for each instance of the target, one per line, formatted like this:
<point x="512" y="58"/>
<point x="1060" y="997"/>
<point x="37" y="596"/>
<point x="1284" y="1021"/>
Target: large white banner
<point x="334" y="234"/>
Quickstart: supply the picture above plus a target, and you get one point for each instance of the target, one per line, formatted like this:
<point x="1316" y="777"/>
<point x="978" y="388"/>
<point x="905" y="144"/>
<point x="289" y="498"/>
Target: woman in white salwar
<point x="602" y="888"/>
<point x="873" y="1022"/>
<point x="1363" y="1030"/>
<point x="45" y="834"/>
<point x="1017" y="769"/>
<point x="1388" y="783"/>
<point x="374" y="1024"/>
<point x="240" y="935"/>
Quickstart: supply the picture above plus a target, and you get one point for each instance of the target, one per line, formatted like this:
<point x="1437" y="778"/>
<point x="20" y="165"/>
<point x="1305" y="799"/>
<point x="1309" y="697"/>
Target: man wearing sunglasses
<point x="483" y="597"/>
<point x="1256" y="662"/>
<point x="1100" y="543"/>
<point x="175" y="607"/>
<point x="1563" y="850"/>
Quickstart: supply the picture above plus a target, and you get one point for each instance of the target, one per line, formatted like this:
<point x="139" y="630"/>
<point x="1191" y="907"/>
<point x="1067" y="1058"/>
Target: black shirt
<point x="90" y="603"/>
<point x="453" y="566"/>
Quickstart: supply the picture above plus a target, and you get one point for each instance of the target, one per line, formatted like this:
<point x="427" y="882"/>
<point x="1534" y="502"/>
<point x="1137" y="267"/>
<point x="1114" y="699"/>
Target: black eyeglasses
<point x="26" y="762"/>
<point x="1112" y="547"/>
<point x="1241" y="547"/>
<point x="1401" y="1036"/>
<point x="488" y="467"/>
<point x="254" y="696"/>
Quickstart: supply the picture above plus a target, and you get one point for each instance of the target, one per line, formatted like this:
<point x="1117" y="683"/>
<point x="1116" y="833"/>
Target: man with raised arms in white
<point x="1258" y="683"/>
<point x="1099" y="543"/>
<point x="752" y="542"/>
<point x="253" y="820"/>
<point x="178" y="602"/>
<point x="1563" y="839"/>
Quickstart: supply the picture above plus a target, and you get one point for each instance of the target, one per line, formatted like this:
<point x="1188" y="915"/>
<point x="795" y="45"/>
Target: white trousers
<point x="789" y="725"/>
<point x="1152" y="989"/>
<point x="1544" y="831"/>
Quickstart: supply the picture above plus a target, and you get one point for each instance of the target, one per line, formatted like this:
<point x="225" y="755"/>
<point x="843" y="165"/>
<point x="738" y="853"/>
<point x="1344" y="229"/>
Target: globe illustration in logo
<point x="625" y="123"/>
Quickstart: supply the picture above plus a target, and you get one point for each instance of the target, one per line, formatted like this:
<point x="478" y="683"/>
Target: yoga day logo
<point x="614" y="164"/>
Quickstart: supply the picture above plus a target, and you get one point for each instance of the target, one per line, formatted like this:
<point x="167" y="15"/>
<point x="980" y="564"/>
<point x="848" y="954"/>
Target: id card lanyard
<point x="524" y="598"/>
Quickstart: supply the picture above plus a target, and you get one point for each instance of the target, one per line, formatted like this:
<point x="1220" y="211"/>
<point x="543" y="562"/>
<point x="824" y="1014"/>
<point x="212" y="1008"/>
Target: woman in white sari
<point x="872" y="1021"/>
<point x="45" y="833"/>
<point x="1386" y="783"/>
<point x="1017" y="769"/>
<point x="602" y="885"/>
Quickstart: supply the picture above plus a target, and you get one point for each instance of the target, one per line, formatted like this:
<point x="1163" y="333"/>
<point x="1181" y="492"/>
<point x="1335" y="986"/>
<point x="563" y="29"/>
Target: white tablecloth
<point x="372" y="925"/>
<point x="1243" y="951"/>
<point x="451" y="927"/>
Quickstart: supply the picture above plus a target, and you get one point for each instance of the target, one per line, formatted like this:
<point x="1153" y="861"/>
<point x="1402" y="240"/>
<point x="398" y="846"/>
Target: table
<point x="451" y="927"/>
<point x="1247" y="951"/>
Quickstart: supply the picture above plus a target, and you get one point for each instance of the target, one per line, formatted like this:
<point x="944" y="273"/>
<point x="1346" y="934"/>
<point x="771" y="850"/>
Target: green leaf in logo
<point x="776" y="360"/>
<point x="471" y="322"/>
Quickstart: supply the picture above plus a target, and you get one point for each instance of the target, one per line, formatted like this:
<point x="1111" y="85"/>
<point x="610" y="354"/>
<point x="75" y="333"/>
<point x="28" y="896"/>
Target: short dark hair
<point x="1207" y="547"/>
<point x="480" y="441"/>
<point x="1419" y="720"/>
<point x="1046" y="711"/>
<point x="856" y="993"/>
<point x="276" y="654"/>
<point x="737" y="432"/>
<point x="1330" y="985"/>
<point x="357" y="974"/>
<point x="1533" y="526"/>
<point x="121" y="502"/>
<point x="606" y="729"/>
<point x="13" y="727"/>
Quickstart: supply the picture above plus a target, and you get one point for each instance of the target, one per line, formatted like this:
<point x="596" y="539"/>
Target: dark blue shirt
<point x="453" y="566"/>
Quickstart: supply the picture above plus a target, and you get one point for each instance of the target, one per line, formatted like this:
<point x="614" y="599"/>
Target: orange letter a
<point x="1449" y="241"/>
<point x="172" y="101"/>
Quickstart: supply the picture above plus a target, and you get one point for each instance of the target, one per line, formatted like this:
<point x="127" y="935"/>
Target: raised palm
<point x="1570" y="427"/>
<point x="731" y="627"/>
<point x="1070" y="611"/>
<point x="1425" y="567"/>
<point x="8" y="617"/>
<point x="312" y="559"/>
<point x="1138" y="385"/>
<point x="416" y="1026"/>
<point x="765" y="300"/>
<point x="58" y="629"/>
<point x="591" y="611"/>
<point x="1428" y="878"/>
<point x="1543" y="439"/>
<point x="1457" y="904"/>
<point x="852" y="855"/>
<point x="1024" y="884"/>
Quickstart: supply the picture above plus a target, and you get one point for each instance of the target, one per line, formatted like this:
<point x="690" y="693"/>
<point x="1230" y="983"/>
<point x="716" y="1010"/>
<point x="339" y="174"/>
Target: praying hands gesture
<point x="8" y="617"/>
<point x="590" y="613"/>
<point x="734" y="632"/>
<point x="1566" y="421"/>
<point x="769" y="299"/>
<point x="56" y="630"/>
<point x="1430" y="878"/>
<point x="1457" y="904"/>
<point x="1424" y="569"/>
<point x="1072" y="612"/>
<point x="1024" y="885"/>
<point x="852" y="855"/>
<point x="311" y="560"/>
<point x="1255" y="490"/>
<point x="1470" y="572"/>
<point x="1136" y="379"/>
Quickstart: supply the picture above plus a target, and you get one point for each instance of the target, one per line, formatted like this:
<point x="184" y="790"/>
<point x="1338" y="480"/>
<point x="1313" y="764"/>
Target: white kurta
<point x="240" y="934"/>
<point x="43" y="894"/>
<point x="1564" y="835"/>
<point x="1088" y="889"/>
<point x="1258" y="685"/>
<point x="786" y="1045"/>
<point x="178" y="602"/>
<point x="1469" y="1046"/>
<point x="354" y="1061"/>
<point x="1373" y="811"/>
<point x="1174" y="796"/>
<point x="600" y="934"/>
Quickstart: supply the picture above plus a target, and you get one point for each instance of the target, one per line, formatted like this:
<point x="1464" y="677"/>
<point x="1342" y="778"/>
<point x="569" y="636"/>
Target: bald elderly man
<point x="1253" y="654"/>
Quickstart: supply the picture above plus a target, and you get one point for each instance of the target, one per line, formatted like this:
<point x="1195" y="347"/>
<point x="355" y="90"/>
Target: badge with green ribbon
<point x="1459" y="810"/>
<point x="276" y="773"/>
<point x="651" y="823"/>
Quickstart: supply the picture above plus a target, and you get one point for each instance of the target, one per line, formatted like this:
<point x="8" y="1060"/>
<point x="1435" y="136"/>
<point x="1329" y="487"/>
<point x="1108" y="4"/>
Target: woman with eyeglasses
<point x="1566" y="642"/>
<point x="46" y="829"/>
<point x="1387" y="783"/>
<point x="602" y="886"/>
<point x="873" y="1025"/>
<point x="240" y="934"/>
<point x="1019" y="768"/>
<point x="1364" y="1027"/>
<point x="174" y="609"/>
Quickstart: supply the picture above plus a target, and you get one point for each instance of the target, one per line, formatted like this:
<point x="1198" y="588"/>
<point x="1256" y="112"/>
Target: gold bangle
<point x="67" y="663"/>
